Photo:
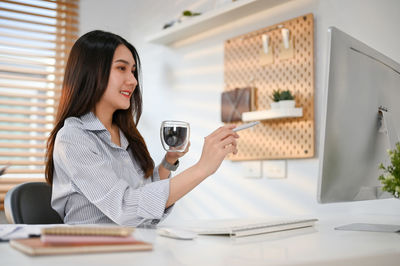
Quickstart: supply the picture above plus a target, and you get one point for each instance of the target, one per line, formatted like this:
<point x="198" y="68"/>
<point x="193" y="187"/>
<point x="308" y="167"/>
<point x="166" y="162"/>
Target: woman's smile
<point x="126" y="93"/>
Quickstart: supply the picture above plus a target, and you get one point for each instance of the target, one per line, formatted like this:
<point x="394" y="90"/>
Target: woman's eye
<point x="122" y="68"/>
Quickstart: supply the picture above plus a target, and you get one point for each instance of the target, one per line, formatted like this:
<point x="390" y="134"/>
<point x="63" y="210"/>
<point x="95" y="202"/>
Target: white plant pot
<point x="275" y="105"/>
<point x="287" y="104"/>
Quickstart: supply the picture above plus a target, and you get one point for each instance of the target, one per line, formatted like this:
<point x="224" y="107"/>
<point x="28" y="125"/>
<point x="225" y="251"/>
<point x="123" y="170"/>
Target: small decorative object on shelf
<point x="185" y="14"/>
<point x="275" y="97"/>
<point x="4" y="169"/>
<point x="235" y="102"/>
<point x="188" y="13"/>
<point x="282" y="99"/>
<point x="286" y="100"/>
<point x="391" y="176"/>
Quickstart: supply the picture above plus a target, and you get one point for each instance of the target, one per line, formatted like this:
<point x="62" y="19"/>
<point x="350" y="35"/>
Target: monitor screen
<point x="360" y="80"/>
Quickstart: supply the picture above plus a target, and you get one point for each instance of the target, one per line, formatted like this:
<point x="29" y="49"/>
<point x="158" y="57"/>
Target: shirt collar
<point x="124" y="140"/>
<point x="92" y="123"/>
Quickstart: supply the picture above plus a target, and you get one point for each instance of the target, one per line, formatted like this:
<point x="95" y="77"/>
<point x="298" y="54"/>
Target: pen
<point x="244" y="126"/>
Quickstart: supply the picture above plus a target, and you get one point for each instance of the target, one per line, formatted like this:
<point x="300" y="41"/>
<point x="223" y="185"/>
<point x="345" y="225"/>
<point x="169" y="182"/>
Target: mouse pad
<point x="389" y="228"/>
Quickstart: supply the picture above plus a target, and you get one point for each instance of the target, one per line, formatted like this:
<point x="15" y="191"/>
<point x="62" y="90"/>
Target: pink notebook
<point x="35" y="247"/>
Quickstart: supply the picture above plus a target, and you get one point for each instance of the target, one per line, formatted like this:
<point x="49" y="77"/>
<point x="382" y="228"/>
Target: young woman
<point x="97" y="161"/>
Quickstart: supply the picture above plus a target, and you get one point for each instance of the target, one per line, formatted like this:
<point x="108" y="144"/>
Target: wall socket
<point x="274" y="169"/>
<point x="251" y="169"/>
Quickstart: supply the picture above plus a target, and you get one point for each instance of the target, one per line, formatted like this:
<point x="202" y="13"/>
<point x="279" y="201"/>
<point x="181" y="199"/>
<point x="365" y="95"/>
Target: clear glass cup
<point x="174" y="135"/>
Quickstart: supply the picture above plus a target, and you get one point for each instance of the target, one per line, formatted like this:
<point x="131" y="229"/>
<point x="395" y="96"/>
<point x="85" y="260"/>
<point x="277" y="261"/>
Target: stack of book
<point x="80" y="239"/>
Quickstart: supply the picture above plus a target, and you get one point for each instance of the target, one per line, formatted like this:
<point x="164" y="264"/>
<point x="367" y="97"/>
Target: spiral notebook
<point x="74" y="239"/>
<point x="88" y="230"/>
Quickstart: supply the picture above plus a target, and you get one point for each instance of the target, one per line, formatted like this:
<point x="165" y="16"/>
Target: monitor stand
<point x="373" y="192"/>
<point x="386" y="126"/>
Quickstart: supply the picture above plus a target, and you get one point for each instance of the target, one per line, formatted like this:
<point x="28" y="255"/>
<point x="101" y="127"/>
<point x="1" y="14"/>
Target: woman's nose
<point x="132" y="80"/>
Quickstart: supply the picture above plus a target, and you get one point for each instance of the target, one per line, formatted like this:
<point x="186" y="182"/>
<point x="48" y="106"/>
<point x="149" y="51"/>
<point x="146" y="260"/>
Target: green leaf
<point x="391" y="181"/>
<point x="276" y="95"/>
<point x="286" y="95"/>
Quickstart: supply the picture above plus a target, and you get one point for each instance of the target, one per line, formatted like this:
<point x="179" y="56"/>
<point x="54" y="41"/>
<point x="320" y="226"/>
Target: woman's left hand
<point x="172" y="157"/>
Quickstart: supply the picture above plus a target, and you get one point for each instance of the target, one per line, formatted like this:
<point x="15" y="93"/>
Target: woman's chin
<point x="125" y="106"/>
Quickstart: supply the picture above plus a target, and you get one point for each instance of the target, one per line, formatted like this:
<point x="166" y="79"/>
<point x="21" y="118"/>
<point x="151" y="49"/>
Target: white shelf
<point x="211" y="19"/>
<point x="272" y="114"/>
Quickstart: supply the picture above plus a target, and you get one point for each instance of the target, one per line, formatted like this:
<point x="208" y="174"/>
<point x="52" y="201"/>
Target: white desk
<point x="321" y="245"/>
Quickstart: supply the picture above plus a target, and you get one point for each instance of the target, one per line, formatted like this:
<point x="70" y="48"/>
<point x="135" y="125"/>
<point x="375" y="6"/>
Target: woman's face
<point x="121" y="82"/>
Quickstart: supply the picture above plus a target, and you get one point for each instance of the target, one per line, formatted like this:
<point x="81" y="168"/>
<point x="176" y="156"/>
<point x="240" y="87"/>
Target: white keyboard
<point x="246" y="227"/>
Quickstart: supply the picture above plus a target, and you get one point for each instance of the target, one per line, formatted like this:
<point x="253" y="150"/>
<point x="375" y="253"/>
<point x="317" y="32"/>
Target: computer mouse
<point x="176" y="233"/>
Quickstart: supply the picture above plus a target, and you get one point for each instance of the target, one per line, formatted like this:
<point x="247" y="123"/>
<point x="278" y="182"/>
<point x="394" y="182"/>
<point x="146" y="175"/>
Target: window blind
<point x="35" y="38"/>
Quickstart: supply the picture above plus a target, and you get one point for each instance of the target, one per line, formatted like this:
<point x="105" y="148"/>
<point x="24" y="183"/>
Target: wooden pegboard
<point x="278" y="138"/>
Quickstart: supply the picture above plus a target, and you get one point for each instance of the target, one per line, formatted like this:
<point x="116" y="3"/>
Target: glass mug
<point x="174" y="135"/>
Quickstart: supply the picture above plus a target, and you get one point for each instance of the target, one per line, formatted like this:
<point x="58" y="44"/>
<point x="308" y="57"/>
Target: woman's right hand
<point x="216" y="146"/>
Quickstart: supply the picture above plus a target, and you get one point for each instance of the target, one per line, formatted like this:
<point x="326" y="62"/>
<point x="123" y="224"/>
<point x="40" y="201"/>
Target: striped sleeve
<point x="94" y="177"/>
<point x="156" y="177"/>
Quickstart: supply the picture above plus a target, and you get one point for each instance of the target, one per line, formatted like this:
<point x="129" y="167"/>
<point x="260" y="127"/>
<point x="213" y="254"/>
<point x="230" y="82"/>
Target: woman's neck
<point x="105" y="115"/>
<point x="105" y="119"/>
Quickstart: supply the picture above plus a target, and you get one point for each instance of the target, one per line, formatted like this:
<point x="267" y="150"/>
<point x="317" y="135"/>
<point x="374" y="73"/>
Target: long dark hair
<point x="85" y="80"/>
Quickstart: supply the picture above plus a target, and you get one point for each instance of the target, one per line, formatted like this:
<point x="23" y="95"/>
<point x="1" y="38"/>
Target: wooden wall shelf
<point x="272" y="114"/>
<point x="211" y="19"/>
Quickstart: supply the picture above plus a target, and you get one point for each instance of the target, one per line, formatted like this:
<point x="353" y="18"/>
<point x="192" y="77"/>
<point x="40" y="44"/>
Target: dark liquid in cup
<point x="174" y="136"/>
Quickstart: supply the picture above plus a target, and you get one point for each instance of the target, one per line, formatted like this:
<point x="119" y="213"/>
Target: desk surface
<point x="321" y="245"/>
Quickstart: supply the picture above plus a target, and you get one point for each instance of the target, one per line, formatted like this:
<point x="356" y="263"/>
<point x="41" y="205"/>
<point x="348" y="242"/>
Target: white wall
<point x="184" y="82"/>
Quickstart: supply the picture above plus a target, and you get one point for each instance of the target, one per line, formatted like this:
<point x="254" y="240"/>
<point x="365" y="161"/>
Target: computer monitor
<point x="360" y="80"/>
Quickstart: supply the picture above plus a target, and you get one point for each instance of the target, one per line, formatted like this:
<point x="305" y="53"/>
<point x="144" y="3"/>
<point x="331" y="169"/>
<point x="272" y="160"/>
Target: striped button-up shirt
<point x="96" y="181"/>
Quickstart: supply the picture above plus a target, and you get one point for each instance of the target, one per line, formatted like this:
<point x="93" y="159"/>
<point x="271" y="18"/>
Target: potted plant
<point x="390" y="179"/>
<point x="286" y="100"/>
<point x="275" y="97"/>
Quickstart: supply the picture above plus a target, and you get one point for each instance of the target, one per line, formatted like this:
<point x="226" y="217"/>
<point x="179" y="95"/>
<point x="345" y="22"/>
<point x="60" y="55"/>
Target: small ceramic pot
<point x="275" y="105"/>
<point x="287" y="104"/>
